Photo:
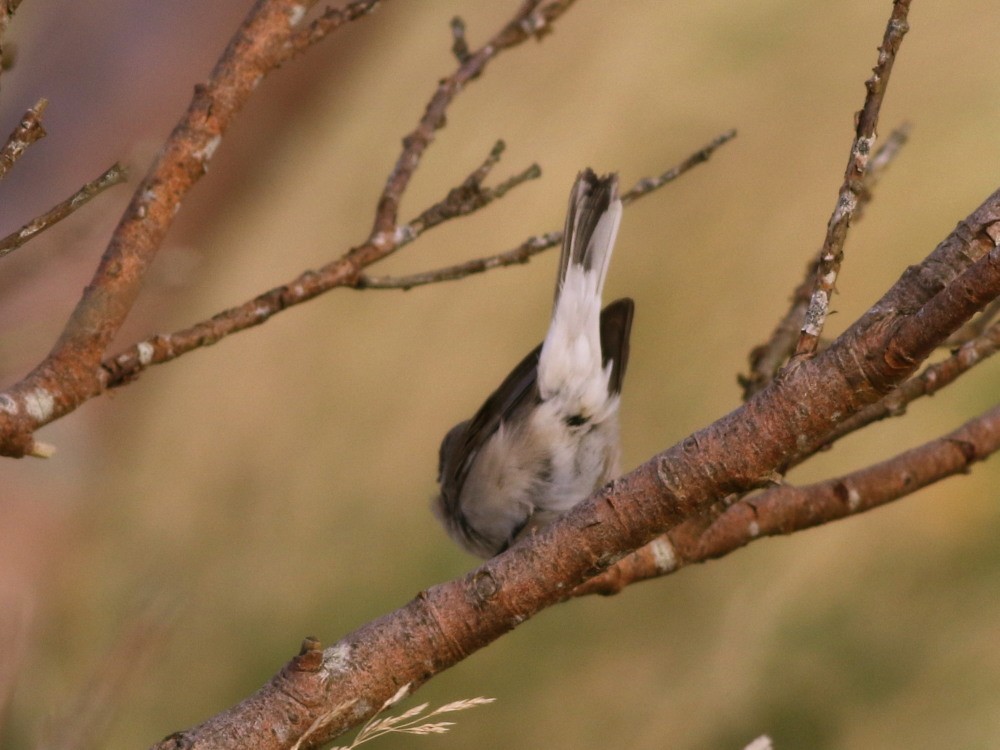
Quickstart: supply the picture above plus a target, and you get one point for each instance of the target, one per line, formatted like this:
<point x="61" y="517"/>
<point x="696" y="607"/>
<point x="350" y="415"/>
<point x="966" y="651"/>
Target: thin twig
<point x="113" y="176"/>
<point x="520" y="254"/>
<point x="649" y="184"/>
<point x="329" y="21"/>
<point x="468" y="197"/>
<point x="531" y="20"/>
<point x="931" y="380"/>
<point x="28" y="131"/>
<point x="768" y="358"/>
<point x="787" y="509"/>
<point x="832" y="254"/>
<point x="459" y="47"/>
<point x="71" y="373"/>
<point x="538" y="243"/>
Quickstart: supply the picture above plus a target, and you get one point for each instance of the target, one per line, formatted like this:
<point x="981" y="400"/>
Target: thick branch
<point x="787" y="509"/>
<point x="737" y="453"/>
<point x="71" y="373"/>
<point x="927" y="383"/>
<point x="832" y="254"/>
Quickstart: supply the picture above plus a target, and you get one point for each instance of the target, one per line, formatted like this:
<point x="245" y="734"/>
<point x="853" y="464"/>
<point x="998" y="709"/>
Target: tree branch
<point x="927" y="383"/>
<point x="832" y="254"/>
<point x="533" y="19"/>
<point x="768" y="358"/>
<point x="786" y="509"/>
<point x="738" y="453"/>
<point x="538" y="243"/>
<point x="649" y="184"/>
<point x="28" y="131"/>
<point x="71" y="374"/>
<point x="468" y="197"/>
<point x="115" y="175"/>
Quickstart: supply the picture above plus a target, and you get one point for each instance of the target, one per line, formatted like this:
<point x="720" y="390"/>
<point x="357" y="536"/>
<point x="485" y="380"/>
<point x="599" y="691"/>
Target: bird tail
<point x="571" y="363"/>
<point x="591" y="226"/>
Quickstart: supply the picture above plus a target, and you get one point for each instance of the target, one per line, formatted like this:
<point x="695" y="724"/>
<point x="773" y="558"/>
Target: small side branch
<point x="27" y="132"/>
<point x="531" y="20"/>
<point x="329" y="21"/>
<point x="768" y="358"/>
<point x="468" y="197"/>
<point x="787" y="509"/>
<point x="649" y="184"/>
<point x="520" y="254"/>
<point x="832" y="254"/>
<point x="113" y="176"/>
<point x="459" y="45"/>
<point x="539" y="243"/>
<point x="931" y="380"/>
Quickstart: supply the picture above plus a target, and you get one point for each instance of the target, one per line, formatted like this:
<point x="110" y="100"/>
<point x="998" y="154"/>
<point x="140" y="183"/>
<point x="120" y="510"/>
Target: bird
<point x="548" y="436"/>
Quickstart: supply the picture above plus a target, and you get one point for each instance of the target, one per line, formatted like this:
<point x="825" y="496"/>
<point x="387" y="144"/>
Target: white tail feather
<point x="570" y="369"/>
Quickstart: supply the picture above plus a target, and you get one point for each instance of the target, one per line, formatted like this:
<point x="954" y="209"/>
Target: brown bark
<point x="71" y="373"/>
<point x="813" y="400"/>
<point x="739" y="452"/>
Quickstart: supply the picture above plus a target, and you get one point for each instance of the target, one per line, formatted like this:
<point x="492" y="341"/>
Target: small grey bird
<point x="548" y="436"/>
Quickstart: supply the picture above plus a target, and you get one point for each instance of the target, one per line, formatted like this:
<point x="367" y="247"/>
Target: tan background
<point x="278" y="484"/>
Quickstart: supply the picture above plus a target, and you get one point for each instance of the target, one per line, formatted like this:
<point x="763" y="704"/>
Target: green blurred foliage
<point x="277" y="485"/>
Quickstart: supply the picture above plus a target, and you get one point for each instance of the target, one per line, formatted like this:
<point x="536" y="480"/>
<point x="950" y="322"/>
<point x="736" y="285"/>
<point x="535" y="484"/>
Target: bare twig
<point x="787" y="509"/>
<point x="329" y="21"/>
<point x="649" y="184"/>
<point x="532" y="19"/>
<point x="538" y="243"/>
<point x="932" y="379"/>
<point x="520" y="254"/>
<point x="832" y="253"/>
<point x="28" y="131"/>
<point x="467" y="198"/>
<point x="768" y="358"/>
<point x="113" y="176"/>
<point x="459" y="46"/>
<point x="884" y="156"/>
<point x="71" y="374"/>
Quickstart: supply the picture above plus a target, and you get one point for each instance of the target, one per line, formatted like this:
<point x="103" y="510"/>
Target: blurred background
<point x="196" y="524"/>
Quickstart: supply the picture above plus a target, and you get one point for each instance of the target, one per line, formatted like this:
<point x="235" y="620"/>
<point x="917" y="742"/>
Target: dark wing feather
<point x="464" y="441"/>
<point x="616" y="327"/>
